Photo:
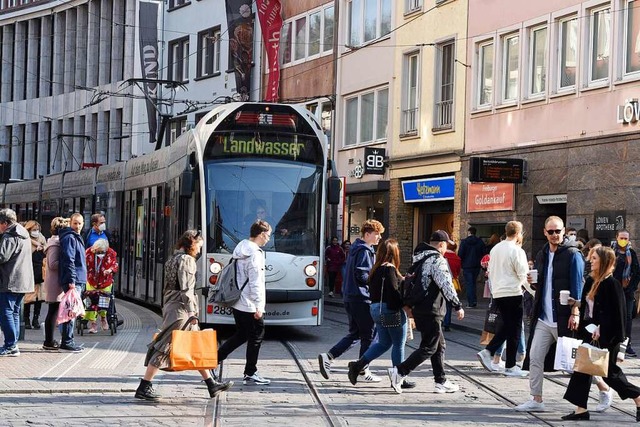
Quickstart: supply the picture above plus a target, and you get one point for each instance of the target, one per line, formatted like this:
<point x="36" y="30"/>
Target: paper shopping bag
<point x="566" y="353"/>
<point x="193" y="350"/>
<point x="486" y="338"/>
<point x="592" y="360"/>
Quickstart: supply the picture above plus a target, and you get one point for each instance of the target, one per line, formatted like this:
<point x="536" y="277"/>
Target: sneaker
<point x="325" y="365"/>
<point x="11" y="351"/>
<point x="446" y="387"/>
<point x="530" y="406"/>
<point x="368" y="377"/>
<point x="515" y="371"/>
<point x="630" y="352"/>
<point x="255" y="379"/>
<point x="396" y="379"/>
<point x="54" y="346"/>
<point x="485" y="359"/>
<point x="104" y="324"/>
<point x="497" y="367"/>
<point x="72" y="348"/>
<point x="331" y="294"/>
<point x="93" y="328"/>
<point x="606" y="397"/>
<point x="406" y="384"/>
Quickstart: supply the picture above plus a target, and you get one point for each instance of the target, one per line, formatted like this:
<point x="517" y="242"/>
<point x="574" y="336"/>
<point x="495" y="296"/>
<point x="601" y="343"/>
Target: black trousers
<point x="511" y="328"/>
<point x="50" y="322"/>
<point x="249" y="330"/>
<point x="432" y="345"/>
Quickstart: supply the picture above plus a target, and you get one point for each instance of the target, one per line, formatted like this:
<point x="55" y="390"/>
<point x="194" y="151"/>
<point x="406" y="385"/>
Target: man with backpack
<point x="426" y="292"/>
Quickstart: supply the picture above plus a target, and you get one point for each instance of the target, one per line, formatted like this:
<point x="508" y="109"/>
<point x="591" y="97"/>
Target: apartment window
<point x="538" y="61"/>
<point x="315" y="22"/>
<point x="177" y="3"/>
<point x="599" y="44"/>
<point x="366" y="117"/>
<point x="410" y="93"/>
<point x="285" y="43"/>
<point x="179" y="59"/>
<point x="510" y="67"/>
<point x="306" y="36"/>
<point x="485" y="74"/>
<point x="209" y="52"/>
<point x="632" y="36"/>
<point x="445" y="85"/>
<point x="176" y="128"/>
<point x="300" y="42"/>
<point x="368" y="20"/>
<point x="327" y="37"/>
<point x="568" y="49"/>
<point x="412" y="5"/>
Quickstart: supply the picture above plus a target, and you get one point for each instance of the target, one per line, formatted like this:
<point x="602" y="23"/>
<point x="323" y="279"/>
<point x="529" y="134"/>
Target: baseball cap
<point x="441" y="236"/>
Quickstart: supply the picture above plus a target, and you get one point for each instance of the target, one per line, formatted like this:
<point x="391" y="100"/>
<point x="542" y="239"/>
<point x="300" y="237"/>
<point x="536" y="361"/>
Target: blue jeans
<point x="470" y="276"/>
<point x="447" y="317"/>
<point x="10" y="317"/>
<point x="361" y="328"/>
<point x="394" y="338"/>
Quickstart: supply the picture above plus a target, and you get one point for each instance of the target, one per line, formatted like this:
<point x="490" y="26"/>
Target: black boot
<point x="27" y="323"/>
<point x="36" y="322"/>
<point x="215" y="387"/>
<point x="145" y="391"/>
<point x="354" y="370"/>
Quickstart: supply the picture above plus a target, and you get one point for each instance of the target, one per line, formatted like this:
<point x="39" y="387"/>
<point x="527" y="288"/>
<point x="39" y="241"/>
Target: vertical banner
<point x="240" y="29"/>
<point x="269" y="13"/>
<point x="148" y="36"/>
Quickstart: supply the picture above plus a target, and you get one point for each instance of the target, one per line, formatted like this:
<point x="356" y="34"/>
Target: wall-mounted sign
<point x="486" y="197"/>
<point x="606" y="223"/>
<point x="577" y="223"/>
<point x="358" y="171"/>
<point x="374" y="161"/>
<point x="489" y="169"/>
<point x="629" y="112"/>
<point x="552" y="199"/>
<point x="429" y="189"/>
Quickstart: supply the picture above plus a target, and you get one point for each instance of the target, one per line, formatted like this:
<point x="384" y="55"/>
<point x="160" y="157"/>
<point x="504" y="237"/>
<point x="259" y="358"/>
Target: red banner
<point x="269" y="13"/>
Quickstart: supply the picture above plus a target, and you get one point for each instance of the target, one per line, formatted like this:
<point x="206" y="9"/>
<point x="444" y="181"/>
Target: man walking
<point x="471" y="251"/>
<point x="355" y="291"/>
<point x="508" y="268"/>
<point x="248" y="312"/>
<point x="16" y="278"/>
<point x="560" y="267"/>
<point x="428" y="307"/>
<point x="627" y="272"/>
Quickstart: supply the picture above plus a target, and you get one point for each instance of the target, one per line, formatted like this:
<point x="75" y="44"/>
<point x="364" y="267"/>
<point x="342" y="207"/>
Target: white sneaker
<point x="396" y="379"/>
<point x="606" y="397"/>
<point x="446" y="387"/>
<point x="515" y="371"/>
<point x="368" y="377"/>
<point x="325" y="365"/>
<point x="485" y="359"/>
<point x="331" y="294"/>
<point x="497" y="367"/>
<point x="530" y="406"/>
<point x="255" y="379"/>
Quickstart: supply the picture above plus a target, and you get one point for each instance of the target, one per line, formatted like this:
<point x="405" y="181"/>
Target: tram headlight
<point x="215" y="267"/>
<point x="310" y="270"/>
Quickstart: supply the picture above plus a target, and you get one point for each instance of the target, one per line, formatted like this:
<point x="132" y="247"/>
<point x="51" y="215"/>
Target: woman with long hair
<point x="35" y="299"/>
<point x="52" y="286"/>
<point x="603" y="305"/>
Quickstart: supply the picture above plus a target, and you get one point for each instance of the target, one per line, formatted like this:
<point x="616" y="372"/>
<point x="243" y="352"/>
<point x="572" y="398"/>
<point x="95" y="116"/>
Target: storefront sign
<point x="629" y="112"/>
<point x="428" y="190"/>
<point x="552" y="199"/>
<point x="607" y="222"/>
<point x="487" y="197"/>
<point x="374" y="161"/>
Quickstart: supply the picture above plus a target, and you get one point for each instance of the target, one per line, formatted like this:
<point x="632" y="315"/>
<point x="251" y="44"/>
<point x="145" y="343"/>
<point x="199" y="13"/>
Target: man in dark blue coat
<point x="471" y="251"/>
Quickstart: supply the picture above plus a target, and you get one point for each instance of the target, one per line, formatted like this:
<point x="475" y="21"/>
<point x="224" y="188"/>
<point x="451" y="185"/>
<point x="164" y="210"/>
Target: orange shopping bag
<point x="193" y="350"/>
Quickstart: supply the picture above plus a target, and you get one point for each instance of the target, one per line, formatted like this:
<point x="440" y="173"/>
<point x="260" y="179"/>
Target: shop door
<point x="540" y="213"/>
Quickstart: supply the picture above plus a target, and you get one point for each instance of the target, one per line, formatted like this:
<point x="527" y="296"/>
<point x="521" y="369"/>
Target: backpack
<point x="226" y="291"/>
<point x="413" y="290"/>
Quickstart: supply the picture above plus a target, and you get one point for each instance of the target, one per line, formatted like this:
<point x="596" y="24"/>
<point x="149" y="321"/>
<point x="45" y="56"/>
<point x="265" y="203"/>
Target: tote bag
<point x="566" y="350"/>
<point x="193" y="350"/>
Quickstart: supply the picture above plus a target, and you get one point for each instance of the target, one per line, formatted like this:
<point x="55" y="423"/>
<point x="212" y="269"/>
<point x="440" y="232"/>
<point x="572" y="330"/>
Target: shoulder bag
<point x="389" y="320"/>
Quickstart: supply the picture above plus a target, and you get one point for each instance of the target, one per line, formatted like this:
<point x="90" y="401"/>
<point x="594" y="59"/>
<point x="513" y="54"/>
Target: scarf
<point x="626" y="273"/>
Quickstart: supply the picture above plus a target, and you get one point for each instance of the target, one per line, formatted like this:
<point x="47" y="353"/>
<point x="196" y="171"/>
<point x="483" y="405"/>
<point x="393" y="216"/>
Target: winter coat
<point x="52" y="288"/>
<point x="73" y="263"/>
<point x="251" y="267"/>
<point x="179" y="289"/>
<point x="37" y="258"/>
<point x="355" y="283"/>
<point x="95" y="269"/>
<point x="471" y="251"/>
<point x="335" y="258"/>
<point x="609" y="312"/>
<point x="16" y="269"/>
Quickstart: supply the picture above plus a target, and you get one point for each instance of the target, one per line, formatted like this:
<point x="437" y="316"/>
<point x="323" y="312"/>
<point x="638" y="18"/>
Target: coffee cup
<point x="564" y="297"/>
<point x="534" y="275"/>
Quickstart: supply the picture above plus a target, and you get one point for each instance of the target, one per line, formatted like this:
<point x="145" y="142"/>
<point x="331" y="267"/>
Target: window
<point x="300" y="42"/>
<point x="306" y="36"/>
<point x="510" y="67"/>
<point x="179" y="59"/>
<point x="445" y="84"/>
<point x="485" y="74"/>
<point x="209" y="52"/>
<point x="538" y="61"/>
<point x="568" y="52"/>
<point x="177" y="3"/>
<point x="410" y="93"/>
<point x="366" y="117"/>
<point x="327" y="39"/>
<point x="315" y="20"/>
<point x="632" y="36"/>
<point x="412" y="5"/>
<point x="599" y="44"/>
<point x="368" y="20"/>
<point x="176" y="127"/>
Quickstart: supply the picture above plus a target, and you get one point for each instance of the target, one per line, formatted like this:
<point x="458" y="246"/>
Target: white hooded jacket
<point x="251" y="263"/>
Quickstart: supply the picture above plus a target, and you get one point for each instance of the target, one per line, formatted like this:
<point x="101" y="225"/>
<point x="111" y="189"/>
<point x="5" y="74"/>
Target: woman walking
<point x="52" y="287"/>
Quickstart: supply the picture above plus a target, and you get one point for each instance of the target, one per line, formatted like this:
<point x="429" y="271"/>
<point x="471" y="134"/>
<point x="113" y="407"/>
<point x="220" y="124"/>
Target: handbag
<point x="493" y="318"/>
<point x="592" y="360"/>
<point x="565" y="357"/>
<point x="389" y="320"/>
<point x="193" y="350"/>
<point x="456" y="285"/>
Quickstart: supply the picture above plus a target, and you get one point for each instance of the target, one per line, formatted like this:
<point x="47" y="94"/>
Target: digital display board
<point x="491" y="169"/>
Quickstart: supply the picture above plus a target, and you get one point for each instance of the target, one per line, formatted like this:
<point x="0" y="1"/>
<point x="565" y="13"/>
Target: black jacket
<point x="392" y="280"/>
<point x="609" y="311"/>
<point x="471" y="251"/>
<point x="635" y="272"/>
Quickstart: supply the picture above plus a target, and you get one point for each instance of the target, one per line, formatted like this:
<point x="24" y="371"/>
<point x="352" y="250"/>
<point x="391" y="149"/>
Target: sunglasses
<point x="551" y="232"/>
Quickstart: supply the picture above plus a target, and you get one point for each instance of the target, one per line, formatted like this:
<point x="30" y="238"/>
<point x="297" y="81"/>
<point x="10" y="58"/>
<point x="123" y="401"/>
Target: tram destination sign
<point x="492" y="169"/>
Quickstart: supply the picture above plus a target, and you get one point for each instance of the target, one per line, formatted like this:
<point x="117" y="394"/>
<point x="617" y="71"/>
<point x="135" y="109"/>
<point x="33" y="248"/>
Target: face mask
<point x="571" y="237"/>
<point x="100" y="255"/>
<point x="35" y="234"/>
<point x="622" y="243"/>
<point x="102" y="227"/>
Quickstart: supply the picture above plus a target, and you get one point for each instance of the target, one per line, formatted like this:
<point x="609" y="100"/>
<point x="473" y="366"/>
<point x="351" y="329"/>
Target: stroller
<point x="98" y="300"/>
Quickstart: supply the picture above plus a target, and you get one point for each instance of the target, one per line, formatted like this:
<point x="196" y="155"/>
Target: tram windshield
<point x="286" y="194"/>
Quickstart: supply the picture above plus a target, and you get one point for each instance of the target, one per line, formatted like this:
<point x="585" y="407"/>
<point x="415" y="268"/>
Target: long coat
<point x="16" y="269"/>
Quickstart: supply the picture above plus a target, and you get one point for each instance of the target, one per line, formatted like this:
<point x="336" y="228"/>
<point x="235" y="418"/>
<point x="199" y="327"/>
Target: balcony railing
<point x="409" y="124"/>
<point x="444" y="115"/>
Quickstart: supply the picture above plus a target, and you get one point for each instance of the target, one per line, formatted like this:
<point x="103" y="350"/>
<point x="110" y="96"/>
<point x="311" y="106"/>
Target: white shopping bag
<point x="566" y="353"/>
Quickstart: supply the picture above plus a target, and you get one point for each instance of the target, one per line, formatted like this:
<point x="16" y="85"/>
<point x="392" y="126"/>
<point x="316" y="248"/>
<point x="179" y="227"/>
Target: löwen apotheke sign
<point x="428" y="189"/>
<point x="490" y="196"/>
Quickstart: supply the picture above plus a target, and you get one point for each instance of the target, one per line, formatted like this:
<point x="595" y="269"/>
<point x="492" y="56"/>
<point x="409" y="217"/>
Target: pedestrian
<point x="386" y="300"/>
<point x="471" y="251"/>
<point x="508" y="268"/>
<point x="248" y="312"/>
<point x="53" y="289"/>
<point x="560" y="268"/>
<point x="97" y="231"/>
<point x="357" y="301"/>
<point x="16" y="278"/>
<point x="427" y="305"/>
<point x="346" y="247"/>
<point x="334" y="258"/>
<point x="102" y="264"/>
<point x="455" y="265"/>
<point x="571" y="233"/>
<point x="72" y="269"/>
<point x="603" y="303"/>
<point x="37" y="256"/>
<point x="180" y="306"/>
<point x="627" y="272"/>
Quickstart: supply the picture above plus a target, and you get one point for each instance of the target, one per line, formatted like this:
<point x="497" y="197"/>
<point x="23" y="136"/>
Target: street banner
<point x="240" y="26"/>
<point x="148" y="37"/>
<point x="269" y="13"/>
